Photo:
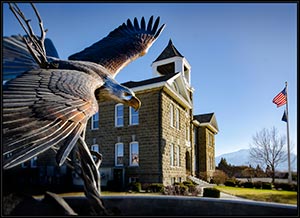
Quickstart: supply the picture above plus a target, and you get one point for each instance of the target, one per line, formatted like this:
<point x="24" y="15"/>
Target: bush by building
<point x="211" y="192"/>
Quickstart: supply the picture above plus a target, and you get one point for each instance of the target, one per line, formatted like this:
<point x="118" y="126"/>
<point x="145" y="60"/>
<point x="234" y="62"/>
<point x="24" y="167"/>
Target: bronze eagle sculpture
<point x="48" y="101"/>
<point x="49" y="105"/>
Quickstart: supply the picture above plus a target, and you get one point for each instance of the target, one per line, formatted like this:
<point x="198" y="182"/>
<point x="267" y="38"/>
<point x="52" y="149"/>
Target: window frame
<point x="93" y="120"/>
<point x="116" y="154"/>
<point x="177" y="155"/>
<point x="177" y="118"/>
<point x="130" y="154"/>
<point x="171" y="115"/>
<point x="119" y="117"/>
<point x="131" y="113"/>
<point x="172" y="155"/>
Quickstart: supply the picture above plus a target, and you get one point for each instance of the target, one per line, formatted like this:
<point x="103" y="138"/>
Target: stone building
<point x="163" y="142"/>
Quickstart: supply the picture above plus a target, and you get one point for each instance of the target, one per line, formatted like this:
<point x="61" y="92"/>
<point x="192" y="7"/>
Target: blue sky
<point x="241" y="54"/>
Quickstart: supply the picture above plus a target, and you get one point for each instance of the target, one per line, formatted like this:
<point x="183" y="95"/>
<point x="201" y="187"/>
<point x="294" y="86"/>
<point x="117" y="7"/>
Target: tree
<point x="219" y="177"/>
<point x="268" y="150"/>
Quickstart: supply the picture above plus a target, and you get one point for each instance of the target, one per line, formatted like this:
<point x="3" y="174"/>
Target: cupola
<point x="170" y="61"/>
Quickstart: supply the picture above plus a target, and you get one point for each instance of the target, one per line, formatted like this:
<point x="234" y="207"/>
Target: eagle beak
<point x="135" y="103"/>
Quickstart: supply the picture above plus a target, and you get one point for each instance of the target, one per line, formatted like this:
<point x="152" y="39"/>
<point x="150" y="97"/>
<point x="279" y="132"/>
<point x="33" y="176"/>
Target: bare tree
<point x="268" y="149"/>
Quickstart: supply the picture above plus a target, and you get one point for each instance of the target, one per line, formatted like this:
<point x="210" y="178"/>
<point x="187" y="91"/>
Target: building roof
<point x="204" y="118"/>
<point x="132" y="84"/>
<point x="209" y="120"/>
<point x="168" y="52"/>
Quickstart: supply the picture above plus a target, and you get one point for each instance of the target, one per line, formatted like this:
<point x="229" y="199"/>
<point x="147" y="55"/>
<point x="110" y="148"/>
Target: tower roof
<point x="168" y="52"/>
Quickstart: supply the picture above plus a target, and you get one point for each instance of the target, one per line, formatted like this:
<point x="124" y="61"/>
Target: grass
<point x="285" y="197"/>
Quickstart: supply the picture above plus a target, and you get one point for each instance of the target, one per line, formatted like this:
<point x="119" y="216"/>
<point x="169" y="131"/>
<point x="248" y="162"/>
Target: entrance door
<point x="118" y="179"/>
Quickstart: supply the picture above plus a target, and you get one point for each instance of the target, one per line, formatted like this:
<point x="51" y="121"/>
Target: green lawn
<point x="285" y="197"/>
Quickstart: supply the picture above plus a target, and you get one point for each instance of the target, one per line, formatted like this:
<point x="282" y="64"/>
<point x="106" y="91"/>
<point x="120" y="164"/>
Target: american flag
<point x="280" y="98"/>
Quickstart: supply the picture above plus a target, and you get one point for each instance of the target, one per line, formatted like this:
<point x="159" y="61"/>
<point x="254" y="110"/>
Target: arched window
<point x="95" y="121"/>
<point x="172" y="155"/>
<point x="134" y="154"/>
<point x="119" y="154"/>
<point x="119" y="115"/>
<point x="133" y="116"/>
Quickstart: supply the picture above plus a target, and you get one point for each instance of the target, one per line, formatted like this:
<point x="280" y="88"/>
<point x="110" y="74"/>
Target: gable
<point x="178" y="85"/>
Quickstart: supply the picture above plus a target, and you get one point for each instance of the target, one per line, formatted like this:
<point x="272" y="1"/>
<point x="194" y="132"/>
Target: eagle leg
<point x="91" y="177"/>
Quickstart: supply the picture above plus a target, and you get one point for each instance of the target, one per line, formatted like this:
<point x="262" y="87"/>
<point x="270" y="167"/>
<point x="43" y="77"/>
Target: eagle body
<point x="47" y="101"/>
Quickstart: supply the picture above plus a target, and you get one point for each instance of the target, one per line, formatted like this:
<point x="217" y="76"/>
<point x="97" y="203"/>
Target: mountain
<point x="242" y="157"/>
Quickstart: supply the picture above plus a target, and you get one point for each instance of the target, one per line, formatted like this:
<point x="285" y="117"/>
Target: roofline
<point x="168" y="88"/>
<point x="210" y="127"/>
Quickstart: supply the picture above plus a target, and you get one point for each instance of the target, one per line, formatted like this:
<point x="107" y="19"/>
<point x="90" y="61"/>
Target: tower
<point x="170" y="61"/>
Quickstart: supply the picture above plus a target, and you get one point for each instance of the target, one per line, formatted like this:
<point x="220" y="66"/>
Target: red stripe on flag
<point x="280" y="99"/>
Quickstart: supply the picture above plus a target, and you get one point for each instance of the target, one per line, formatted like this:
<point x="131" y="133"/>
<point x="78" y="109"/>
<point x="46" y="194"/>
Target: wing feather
<point x="50" y="112"/>
<point x="17" y="58"/>
<point x="122" y="45"/>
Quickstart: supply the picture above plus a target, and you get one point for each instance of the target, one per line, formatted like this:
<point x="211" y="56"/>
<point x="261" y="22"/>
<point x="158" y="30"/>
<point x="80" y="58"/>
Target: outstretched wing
<point x="123" y="45"/>
<point x="17" y="58"/>
<point x="43" y="109"/>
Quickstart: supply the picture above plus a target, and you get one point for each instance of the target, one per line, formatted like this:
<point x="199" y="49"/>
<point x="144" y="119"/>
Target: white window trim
<point x="177" y="119"/>
<point x="177" y="155"/>
<point x="172" y="155"/>
<point x="188" y="135"/>
<point x="116" y="115"/>
<point x="130" y="117"/>
<point x="116" y="154"/>
<point x="92" y="122"/>
<point x="171" y="115"/>
<point x="130" y="154"/>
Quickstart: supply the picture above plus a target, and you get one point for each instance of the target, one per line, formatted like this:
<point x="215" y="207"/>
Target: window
<point x="134" y="154"/>
<point x="171" y="115"/>
<point x="195" y="136"/>
<point x="119" y="115"/>
<point x="210" y="139"/>
<point x="119" y="154"/>
<point x="173" y="180"/>
<point x="177" y="118"/>
<point x="133" y="116"/>
<point x="95" y="148"/>
<point x="187" y="135"/>
<point x="95" y="121"/>
<point x="31" y="163"/>
<point x="177" y="156"/>
<point x="172" y="155"/>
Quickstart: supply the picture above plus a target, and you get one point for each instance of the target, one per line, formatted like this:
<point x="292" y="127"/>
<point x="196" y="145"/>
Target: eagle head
<point x="111" y="90"/>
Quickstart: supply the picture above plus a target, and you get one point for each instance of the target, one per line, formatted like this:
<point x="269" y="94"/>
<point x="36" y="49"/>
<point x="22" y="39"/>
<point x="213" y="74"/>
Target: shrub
<point x="219" y="177"/>
<point x="181" y="189"/>
<point x="135" y="186"/>
<point x="229" y="182"/>
<point x="191" y="186"/>
<point x="266" y="185"/>
<point x="156" y="187"/>
<point x="248" y="184"/>
<point x="286" y="186"/>
<point x="257" y="184"/>
<point x="211" y="192"/>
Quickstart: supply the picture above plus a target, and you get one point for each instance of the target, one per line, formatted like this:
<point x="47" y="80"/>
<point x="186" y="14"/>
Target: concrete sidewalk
<point x="232" y="197"/>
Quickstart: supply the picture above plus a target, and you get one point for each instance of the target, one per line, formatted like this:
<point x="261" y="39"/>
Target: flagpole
<point x="288" y="135"/>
